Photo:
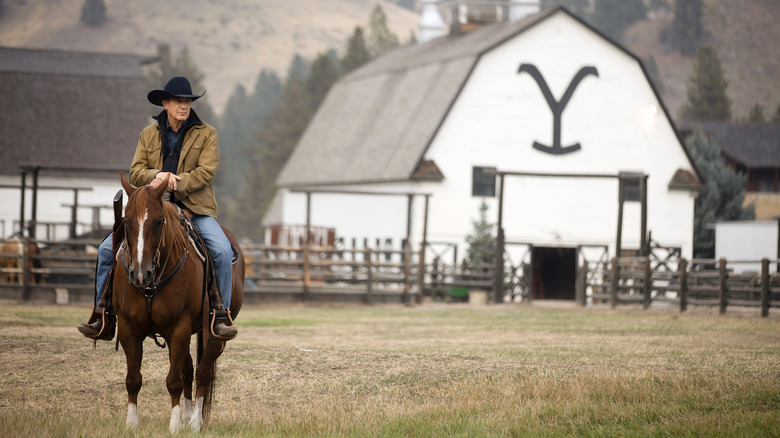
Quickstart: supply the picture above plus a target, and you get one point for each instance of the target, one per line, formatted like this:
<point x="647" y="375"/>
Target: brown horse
<point x="149" y="304"/>
<point x="11" y="261"/>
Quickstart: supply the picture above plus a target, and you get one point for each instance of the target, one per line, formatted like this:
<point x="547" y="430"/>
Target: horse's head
<point x="144" y="229"/>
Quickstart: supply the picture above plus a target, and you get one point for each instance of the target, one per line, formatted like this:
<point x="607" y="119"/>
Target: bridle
<point x="158" y="282"/>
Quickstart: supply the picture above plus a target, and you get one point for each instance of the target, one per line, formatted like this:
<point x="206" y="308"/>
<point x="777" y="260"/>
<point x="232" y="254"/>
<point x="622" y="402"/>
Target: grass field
<point x="431" y="370"/>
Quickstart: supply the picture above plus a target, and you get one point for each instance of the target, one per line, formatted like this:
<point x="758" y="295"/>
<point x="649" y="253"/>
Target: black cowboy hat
<point x="177" y="86"/>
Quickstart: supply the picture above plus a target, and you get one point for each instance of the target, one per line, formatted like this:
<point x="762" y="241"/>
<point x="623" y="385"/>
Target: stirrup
<point x="108" y="326"/>
<point x="222" y="313"/>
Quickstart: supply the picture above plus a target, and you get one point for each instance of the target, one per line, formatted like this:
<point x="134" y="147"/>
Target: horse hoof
<point x="195" y="424"/>
<point x="131" y="424"/>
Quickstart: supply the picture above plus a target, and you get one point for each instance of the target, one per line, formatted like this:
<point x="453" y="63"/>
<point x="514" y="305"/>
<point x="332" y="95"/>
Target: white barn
<point x="430" y="118"/>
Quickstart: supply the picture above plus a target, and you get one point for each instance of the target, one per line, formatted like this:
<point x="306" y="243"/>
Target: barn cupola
<point x="431" y="24"/>
<point x="519" y="9"/>
<point x="463" y="16"/>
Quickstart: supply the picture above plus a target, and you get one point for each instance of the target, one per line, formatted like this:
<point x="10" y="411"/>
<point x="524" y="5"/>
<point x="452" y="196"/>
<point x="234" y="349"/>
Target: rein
<point x="158" y="282"/>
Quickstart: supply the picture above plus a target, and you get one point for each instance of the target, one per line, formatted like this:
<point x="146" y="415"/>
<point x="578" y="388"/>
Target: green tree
<point x="707" y="98"/>
<point x="756" y="114"/>
<point x="273" y="144"/>
<point x="579" y="7"/>
<point x="614" y="16"/>
<point x="243" y="116"/>
<point x="169" y="66"/>
<point x="776" y="117"/>
<point x="325" y="71"/>
<point x="687" y="29"/>
<point x="655" y="75"/>
<point x="722" y="198"/>
<point x="93" y="13"/>
<point x="381" y="39"/>
<point x="481" y="242"/>
<point x="357" y="51"/>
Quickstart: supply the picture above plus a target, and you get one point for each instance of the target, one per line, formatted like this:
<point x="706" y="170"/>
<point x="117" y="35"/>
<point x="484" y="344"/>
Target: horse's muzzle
<point x="141" y="278"/>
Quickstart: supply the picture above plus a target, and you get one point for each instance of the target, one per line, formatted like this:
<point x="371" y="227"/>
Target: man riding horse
<point x="181" y="146"/>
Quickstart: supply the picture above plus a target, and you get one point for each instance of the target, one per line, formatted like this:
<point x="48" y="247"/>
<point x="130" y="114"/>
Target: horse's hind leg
<point x="206" y="373"/>
<point x="133" y="347"/>
<point x="187" y="392"/>
<point x="178" y="348"/>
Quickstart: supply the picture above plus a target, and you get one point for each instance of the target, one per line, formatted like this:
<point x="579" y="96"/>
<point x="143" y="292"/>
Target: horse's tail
<point x="208" y="397"/>
<point x="208" y="394"/>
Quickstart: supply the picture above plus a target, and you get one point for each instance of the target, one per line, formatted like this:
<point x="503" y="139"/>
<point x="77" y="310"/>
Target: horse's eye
<point x="159" y="222"/>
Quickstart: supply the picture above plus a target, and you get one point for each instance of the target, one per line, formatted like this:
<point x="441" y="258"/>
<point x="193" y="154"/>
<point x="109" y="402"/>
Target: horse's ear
<point x="129" y="188"/>
<point x="157" y="192"/>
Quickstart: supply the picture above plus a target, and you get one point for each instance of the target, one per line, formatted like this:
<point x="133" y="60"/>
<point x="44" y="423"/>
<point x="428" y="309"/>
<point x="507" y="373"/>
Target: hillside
<point x="232" y="40"/>
<point x="744" y="33"/>
<point x="229" y="40"/>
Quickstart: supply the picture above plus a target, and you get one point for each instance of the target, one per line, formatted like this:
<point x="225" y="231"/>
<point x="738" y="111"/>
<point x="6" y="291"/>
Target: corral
<point x="430" y="370"/>
<point x="373" y="276"/>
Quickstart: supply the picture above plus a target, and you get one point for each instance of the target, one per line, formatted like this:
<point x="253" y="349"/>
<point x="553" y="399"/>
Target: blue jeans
<point x="216" y="241"/>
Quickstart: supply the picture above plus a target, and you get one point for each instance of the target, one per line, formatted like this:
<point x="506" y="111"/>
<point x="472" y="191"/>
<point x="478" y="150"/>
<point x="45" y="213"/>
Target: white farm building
<point x="545" y="96"/>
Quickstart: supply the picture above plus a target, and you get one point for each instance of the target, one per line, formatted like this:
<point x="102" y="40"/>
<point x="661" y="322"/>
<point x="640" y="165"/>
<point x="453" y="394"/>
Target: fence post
<point x="407" y="274"/>
<point x="765" y="291"/>
<point x="683" y="268"/>
<point x="647" y="288"/>
<point x="582" y="284"/>
<point x="25" y="268"/>
<point x="723" y="288"/>
<point x="613" y="284"/>
<point x="305" y="273"/>
<point x="369" y="287"/>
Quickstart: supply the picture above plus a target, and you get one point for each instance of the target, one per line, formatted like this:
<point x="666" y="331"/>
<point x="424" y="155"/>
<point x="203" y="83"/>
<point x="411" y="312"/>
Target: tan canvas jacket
<point x="198" y="164"/>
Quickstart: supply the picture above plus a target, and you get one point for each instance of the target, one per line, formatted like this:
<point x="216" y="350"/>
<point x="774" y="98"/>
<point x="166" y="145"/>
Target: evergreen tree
<point x="325" y="71"/>
<point x="613" y="16"/>
<point x="756" y="114"/>
<point x="657" y="6"/>
<point x="357" y="51"/>
<point x="234" y="133"/>
<point x="169" y="66"/>
<point x="381" y="39"/>
<point x="273" y="144"/>
<point x="707" y="98"/>
<point x="481" y="242"/>
<point x="244" y="116"/>
<point x="579" y="7"/>
<point x="652" y="70"/>
<point x="776" y="117"/>
<point x="687" y="30"/>
<point x="93" y="13"/>
<point x="722" y="198"/>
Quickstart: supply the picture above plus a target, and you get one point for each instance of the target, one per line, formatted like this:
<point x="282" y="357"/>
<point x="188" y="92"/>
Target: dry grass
<point x="432" y="370"/>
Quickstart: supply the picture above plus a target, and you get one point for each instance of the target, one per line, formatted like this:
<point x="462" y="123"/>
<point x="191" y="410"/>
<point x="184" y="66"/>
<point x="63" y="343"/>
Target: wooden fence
<point x="700" y="282"/>
<point x="387" y="275"/>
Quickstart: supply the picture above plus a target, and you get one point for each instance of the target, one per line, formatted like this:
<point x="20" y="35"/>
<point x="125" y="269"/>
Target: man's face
<point x="178" y="108"/>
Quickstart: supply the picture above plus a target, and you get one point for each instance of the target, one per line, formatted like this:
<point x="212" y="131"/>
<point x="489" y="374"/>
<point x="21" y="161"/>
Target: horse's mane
<point x="173" y="226"/>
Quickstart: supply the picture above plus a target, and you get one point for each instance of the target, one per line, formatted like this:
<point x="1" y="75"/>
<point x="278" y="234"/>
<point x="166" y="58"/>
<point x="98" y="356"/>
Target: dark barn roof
<point x="70" y="109"/>
<point x="751" y="145"/>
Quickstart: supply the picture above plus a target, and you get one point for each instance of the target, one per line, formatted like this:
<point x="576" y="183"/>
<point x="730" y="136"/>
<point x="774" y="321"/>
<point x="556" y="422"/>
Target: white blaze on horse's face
<point x="140" y="247"/>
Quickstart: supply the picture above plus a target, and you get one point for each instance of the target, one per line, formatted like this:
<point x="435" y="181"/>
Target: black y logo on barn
<point x="557" y="106"/>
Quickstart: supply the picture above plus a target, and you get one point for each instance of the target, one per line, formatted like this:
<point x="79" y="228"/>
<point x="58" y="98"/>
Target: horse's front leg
<point x="178" y="353"/>
<point x="132" y="344"/>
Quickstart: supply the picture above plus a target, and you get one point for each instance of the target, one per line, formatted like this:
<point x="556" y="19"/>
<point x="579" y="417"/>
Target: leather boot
<point x="91" y="329"/>
<point x="224" y="330"/>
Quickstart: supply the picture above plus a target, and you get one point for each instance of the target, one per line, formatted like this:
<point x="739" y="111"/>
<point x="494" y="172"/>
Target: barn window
<point x="631" y="190"/>
<point x="481" y="184"/>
